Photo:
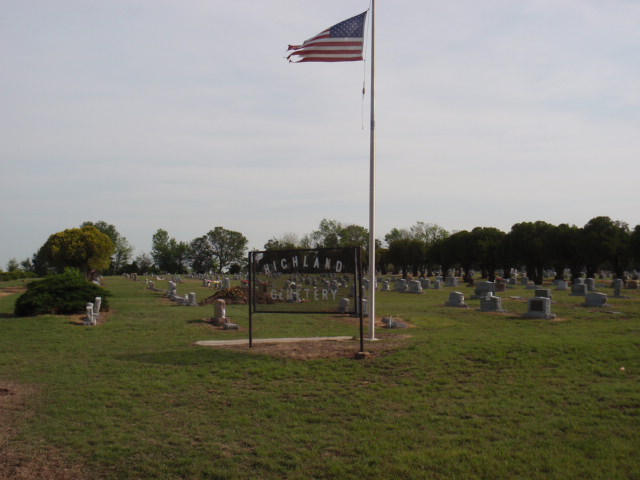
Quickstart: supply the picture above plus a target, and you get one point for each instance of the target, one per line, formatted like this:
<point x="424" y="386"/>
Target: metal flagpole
<point x="371" y="304"/>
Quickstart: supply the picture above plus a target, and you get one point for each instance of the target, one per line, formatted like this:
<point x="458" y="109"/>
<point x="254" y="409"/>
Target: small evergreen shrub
<point x="63" y="294"/>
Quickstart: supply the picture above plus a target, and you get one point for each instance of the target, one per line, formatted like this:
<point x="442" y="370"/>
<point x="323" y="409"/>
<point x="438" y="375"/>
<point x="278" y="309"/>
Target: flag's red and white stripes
<point x="344" y="42"/>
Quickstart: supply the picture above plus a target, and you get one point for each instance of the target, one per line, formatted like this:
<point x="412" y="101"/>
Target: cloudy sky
<point x="185" y="115"/>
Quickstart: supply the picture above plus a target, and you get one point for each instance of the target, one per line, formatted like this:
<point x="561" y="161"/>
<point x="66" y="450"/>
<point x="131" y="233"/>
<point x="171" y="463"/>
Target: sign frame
<point x="324" y="261"/>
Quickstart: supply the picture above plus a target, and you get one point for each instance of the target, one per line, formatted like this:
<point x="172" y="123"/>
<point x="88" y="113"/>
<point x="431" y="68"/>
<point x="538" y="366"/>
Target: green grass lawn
<point x="467" y="395"/>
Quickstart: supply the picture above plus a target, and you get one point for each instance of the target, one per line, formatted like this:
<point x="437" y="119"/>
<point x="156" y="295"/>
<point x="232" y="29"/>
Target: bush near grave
<point x="62" y="294"/>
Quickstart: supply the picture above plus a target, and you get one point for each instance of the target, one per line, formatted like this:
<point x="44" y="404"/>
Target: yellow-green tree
<point x="86" y="248"/>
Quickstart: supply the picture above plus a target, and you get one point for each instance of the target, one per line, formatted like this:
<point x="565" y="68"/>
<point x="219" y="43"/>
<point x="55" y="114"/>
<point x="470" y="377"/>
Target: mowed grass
<point x="467" y="395"/>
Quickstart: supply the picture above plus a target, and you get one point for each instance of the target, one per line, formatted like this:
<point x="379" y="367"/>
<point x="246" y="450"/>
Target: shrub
<point x="63" y="294"/>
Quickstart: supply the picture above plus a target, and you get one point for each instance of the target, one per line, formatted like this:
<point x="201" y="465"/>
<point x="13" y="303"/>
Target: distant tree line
<point x="420" y="250"/>
<point x="535" y="246"/>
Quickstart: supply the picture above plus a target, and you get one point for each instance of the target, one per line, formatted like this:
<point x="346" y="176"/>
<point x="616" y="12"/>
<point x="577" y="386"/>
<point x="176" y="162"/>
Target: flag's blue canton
<point x="353" y="27"/>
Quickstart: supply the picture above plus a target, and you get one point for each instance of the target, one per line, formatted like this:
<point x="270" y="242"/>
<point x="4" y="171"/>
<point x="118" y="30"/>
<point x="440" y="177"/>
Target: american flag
<point x="343" y="42"/>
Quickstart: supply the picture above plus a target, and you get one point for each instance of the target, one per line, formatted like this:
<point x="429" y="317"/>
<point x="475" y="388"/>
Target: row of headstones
<point x="152" y="286"/>
<point x="344" y="306"/>
<point x="583" y="287"/>
<point x="188" y="299"/>
<point x="224" y="284"/>
<point x="212" y="277"/>
<point x="341" y="280"/>
<point x="417" y="286"/>
<point x="93" y="312"/>
<point x="130" y="276"/>
<point x="538" y="307"/>
<point x="332" y="284"/>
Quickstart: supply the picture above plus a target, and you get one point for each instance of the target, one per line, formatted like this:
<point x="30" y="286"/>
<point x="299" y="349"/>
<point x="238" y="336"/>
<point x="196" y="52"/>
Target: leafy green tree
<point x="144" y="263"/>
<point x="353" y="236"/>
<point x="396" y="234"/>
<point x="327" y="235"/>
<point x="439" y="256"/>
<point x="428" y="232"/>
<point x="201" y="255"/>
<point x="526" y="241"/>
<point x="27" y="265"/>
<point x="288" y="241"/>
<point x="605" y="241"/>
<point x="461" y="247"/>
<point x="13" y="265"/>
<point x="168" y="254"/>
<point x="123" y="250"/>
<point x="487" y="253"/>
<point x="87" y="249"/>
<point x="420" y="260"/>
<point x="407" y="254"/>
<point x="634" y="245"/>
<point x="561" y="249"/>
<point x="228" y="247"/>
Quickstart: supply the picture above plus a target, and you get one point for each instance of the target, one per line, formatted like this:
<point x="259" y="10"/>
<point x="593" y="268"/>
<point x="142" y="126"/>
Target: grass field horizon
<point x="461" y="394"/>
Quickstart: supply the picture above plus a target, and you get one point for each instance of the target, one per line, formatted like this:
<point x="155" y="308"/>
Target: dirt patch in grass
<point x="384" y="344"/>
<point x="79" y="319"/>
<point x="20" y="461"/>
<point x="5" y="291"/>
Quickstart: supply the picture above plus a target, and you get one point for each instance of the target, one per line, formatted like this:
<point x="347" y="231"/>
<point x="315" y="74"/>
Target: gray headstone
<point x="618" y="283"/>
<point x="456" y="299"/>
<point x="539" y="307"/>
<point x="343" y="306"/>
<point x="415" y="286"/>
<point x="491" y="303"/>
<point x="543" y="292"/>
<point x="483" y="289"/>
<point x="192" y="300"/>
<point x="595" y="299"/>
<point x="578" y="290"/>
<point x="402" y="285"/>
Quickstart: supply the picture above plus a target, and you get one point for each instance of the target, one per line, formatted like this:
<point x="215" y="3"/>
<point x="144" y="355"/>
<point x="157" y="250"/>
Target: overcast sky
<point x="185" y="115"/>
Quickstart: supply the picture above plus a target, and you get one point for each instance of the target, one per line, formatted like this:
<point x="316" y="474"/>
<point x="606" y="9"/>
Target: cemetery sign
<point x="319" y="280"/>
